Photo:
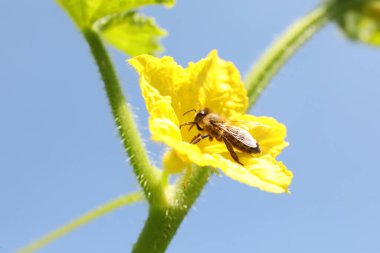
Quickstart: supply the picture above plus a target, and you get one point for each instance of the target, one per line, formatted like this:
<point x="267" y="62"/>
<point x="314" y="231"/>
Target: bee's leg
<point x="192" y="123"/>
<point x="231" y="150"/>
<point x="198" y="127"/>
<point x="195" y="137"/>
<point x="186" y="124"/>
<point x="210" y="138"/>
<point x="199" y="138"/>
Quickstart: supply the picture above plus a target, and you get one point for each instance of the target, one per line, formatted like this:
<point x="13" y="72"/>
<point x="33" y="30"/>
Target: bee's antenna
<point x="189" y="111"/>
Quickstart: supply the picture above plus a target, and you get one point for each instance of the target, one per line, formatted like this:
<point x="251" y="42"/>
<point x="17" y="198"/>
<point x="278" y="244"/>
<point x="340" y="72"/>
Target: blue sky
<point x="60" y="154"/>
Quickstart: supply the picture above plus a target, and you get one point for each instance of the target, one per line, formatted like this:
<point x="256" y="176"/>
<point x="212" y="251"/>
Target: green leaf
<point x="86" y="12"/>
<point x="132" y="33"/>
<point x="118" y="23"/>
<point x="361" y="22"/>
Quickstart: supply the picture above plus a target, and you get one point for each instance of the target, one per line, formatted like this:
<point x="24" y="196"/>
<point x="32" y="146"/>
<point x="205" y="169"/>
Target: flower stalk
<point x="283" y="48"/>
<point x="290" y="41"/>
<point x="148" y="176"/>
<point x="162" y="224"/>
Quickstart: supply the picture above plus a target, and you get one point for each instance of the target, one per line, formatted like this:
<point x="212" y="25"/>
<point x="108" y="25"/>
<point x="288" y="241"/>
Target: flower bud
<point x="172" y="163"/>
<point x="361" y="22"/>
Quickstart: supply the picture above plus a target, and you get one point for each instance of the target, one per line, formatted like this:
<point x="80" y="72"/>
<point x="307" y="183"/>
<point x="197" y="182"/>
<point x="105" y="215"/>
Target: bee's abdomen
<point x="251" y="147"/>
<point x="253" y="150"/>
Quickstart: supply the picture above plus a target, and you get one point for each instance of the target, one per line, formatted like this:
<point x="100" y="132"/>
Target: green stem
<point x="284" y="47"/>
<point x="290" y="41"/>
<point x="162" y="224"/>
<point x="84" y="219"/>
<point x="148" y="176"/>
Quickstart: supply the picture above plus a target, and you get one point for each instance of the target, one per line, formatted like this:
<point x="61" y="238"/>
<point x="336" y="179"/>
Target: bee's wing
<point x="247" y="124"/>
<point x="239" y="134"/>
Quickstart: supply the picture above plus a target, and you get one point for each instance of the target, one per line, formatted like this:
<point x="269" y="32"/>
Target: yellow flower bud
<point x="172" y="163"/>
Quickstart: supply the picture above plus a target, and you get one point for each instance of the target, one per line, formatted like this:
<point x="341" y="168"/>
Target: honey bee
<point x="215" y="126"/>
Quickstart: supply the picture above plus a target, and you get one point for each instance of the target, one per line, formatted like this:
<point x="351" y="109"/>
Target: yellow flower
<point x="170" y="90"/>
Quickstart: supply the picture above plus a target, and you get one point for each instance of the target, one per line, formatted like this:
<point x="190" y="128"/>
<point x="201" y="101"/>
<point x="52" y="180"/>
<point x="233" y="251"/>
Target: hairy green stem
<point x="162" y="224"/>
<point x="282" y="49"/>
<point x="290" y="41"/>
<point x="148" y="176"/>
<point x="84" y="219"/>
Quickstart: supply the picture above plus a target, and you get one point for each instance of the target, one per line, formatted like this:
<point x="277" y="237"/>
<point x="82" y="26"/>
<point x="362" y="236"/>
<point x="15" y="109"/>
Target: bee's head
<point x="201" y="114"/>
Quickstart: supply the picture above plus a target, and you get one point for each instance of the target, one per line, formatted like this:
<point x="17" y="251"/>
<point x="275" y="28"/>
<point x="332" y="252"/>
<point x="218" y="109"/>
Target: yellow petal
<point x="264" y="173"/>
<point x="211" y="82"/>
<point x="162" y="121"/>
<point x="163" y="75"/>
<point x="219" y="84"/>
